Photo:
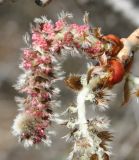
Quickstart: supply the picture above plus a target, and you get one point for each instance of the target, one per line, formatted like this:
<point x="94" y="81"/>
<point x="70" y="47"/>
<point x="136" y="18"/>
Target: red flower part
<point x="117" y="71"/>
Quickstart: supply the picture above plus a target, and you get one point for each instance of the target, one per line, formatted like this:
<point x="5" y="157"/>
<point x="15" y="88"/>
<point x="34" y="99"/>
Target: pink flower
<point x="48" y="70"/>
<point x="27" y="65"/>
<point x="56" y="46"/>
<point x="80" y="28"/>
<point x="37" y="139"/>
<point x="33" y="94"/>
<point x="39" y="40"/>
<point x="48" y="28"/>
<point x="34" y="102"/>
<point x="28" y="54"/>
<point x="83" y="28"/>
<point x="59" y="25"/>
<point x="36" y="36"/>
<point x="46" y="59"/>
<point x="38" y="61"/>
<point x="37" y="113"/>
<point x="41" y="106"/>
<point x="46" y="95"/>
<point x="95" y="49"/>
<point x="51" y="36"/>
<point x="74" y="26"/>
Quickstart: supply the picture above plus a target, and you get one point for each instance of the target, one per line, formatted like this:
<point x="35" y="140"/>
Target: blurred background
<point x="119" y="17"/>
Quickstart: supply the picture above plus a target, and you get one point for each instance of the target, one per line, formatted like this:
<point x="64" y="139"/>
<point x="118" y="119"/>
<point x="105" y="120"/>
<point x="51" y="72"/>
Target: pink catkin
<point x="42" y="72"/>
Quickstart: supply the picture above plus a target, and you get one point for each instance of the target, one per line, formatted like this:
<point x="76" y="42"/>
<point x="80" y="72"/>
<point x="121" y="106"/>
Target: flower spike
<point x="49" y="45"/>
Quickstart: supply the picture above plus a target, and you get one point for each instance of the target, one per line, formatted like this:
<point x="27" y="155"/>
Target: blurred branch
<point x="41" y="3"/>
<point x="127" y="8"/>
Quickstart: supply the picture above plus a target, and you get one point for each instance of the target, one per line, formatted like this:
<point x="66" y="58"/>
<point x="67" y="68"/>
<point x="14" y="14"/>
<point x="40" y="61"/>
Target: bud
<point x="117" y="71"/>
<point x="117" y="45"/>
